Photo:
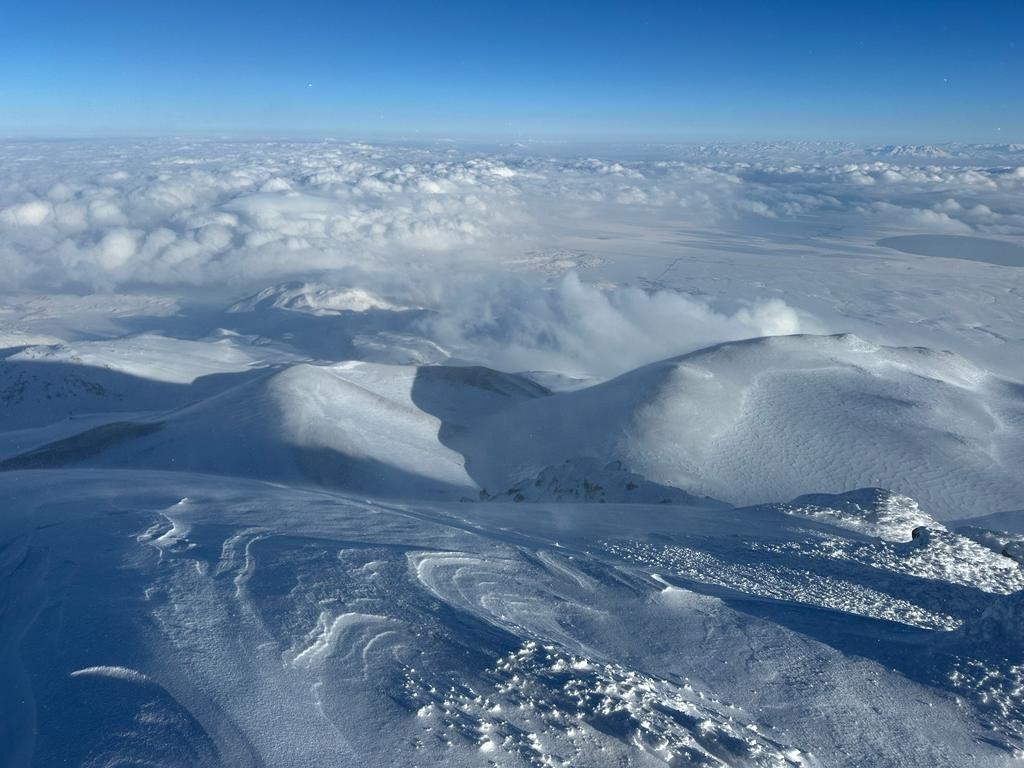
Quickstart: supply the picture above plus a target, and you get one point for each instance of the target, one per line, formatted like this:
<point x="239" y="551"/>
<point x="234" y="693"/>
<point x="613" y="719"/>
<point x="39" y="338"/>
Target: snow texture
<point x="339" y="454"/>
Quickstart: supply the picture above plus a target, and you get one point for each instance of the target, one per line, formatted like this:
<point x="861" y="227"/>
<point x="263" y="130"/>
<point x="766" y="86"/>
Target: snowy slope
<point x="156" y="357"/>
<point x="360" y="426"/>
<point x="41" y="385"/>
<point x="769" y="418"/>
<point x="1011" y="521"/>
<point x="315" y="524"/>
<point x="778" y="417"/>
<point x="205" y="621"/>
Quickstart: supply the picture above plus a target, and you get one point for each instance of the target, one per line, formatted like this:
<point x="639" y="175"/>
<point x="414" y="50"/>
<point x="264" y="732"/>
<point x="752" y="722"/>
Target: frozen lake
<point x="999" y="252"/>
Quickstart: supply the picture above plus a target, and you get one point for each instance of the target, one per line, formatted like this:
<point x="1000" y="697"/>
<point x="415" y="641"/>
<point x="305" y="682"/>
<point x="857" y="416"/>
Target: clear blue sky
<point x="718" y="69"/>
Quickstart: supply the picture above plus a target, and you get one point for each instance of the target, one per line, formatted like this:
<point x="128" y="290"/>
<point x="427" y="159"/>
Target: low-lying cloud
<point x="100" y="215"/>
<point x="492" y="241"/>
<point x="584" y="330"/>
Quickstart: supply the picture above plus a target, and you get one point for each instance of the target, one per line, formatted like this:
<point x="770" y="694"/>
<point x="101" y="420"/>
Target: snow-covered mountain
<point x="312" y="298"/>
<point x="610" y="608"/>
<point x="701" y="455"/>
<point x="760" y="418"/>
<point x="740" y="422"/>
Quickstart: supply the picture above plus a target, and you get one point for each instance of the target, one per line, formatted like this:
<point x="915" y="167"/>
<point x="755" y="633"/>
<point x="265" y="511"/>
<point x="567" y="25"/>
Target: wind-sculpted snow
<point x="1009" y="545"/>
<point x="254" y="624"/>
<point x="781" y="583"/>
<point x="550" y="708"/>
<point x="873" y="511"/>
<point x="756" y="412"/>
<point x="938" y="554"/>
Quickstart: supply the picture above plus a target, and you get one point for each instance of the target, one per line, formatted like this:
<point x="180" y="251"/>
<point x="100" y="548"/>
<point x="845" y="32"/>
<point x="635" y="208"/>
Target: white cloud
<point x="581" y="329"/>
<point x="214" y="213"/>
<point x="116" y="249"/>
<point x="446" y="228"/>
<point x="29" y="214"/>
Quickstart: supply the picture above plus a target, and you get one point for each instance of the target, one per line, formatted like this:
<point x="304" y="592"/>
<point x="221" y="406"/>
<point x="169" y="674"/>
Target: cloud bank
<point x="580" y="329"/>
<point x="102" y="215"/>
<point x="529" y="256"/>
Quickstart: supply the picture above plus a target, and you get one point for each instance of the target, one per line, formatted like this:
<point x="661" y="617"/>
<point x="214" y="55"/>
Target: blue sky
<point x="878" y="71"/>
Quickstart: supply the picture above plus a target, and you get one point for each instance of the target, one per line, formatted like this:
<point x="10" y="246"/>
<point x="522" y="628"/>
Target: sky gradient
<point x="873" y="71"/>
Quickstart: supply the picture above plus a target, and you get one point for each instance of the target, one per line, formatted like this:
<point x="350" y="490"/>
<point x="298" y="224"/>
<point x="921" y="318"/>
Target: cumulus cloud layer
<point x="102" y="215"/>
<point x="486" y="238"/>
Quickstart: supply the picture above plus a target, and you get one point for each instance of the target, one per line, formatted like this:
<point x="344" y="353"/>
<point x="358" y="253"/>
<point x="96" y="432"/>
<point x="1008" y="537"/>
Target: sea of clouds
<point x="451" y="229"/>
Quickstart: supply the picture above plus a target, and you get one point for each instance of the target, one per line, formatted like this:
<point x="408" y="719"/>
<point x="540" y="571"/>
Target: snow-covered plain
<point x="338" y="454"/>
